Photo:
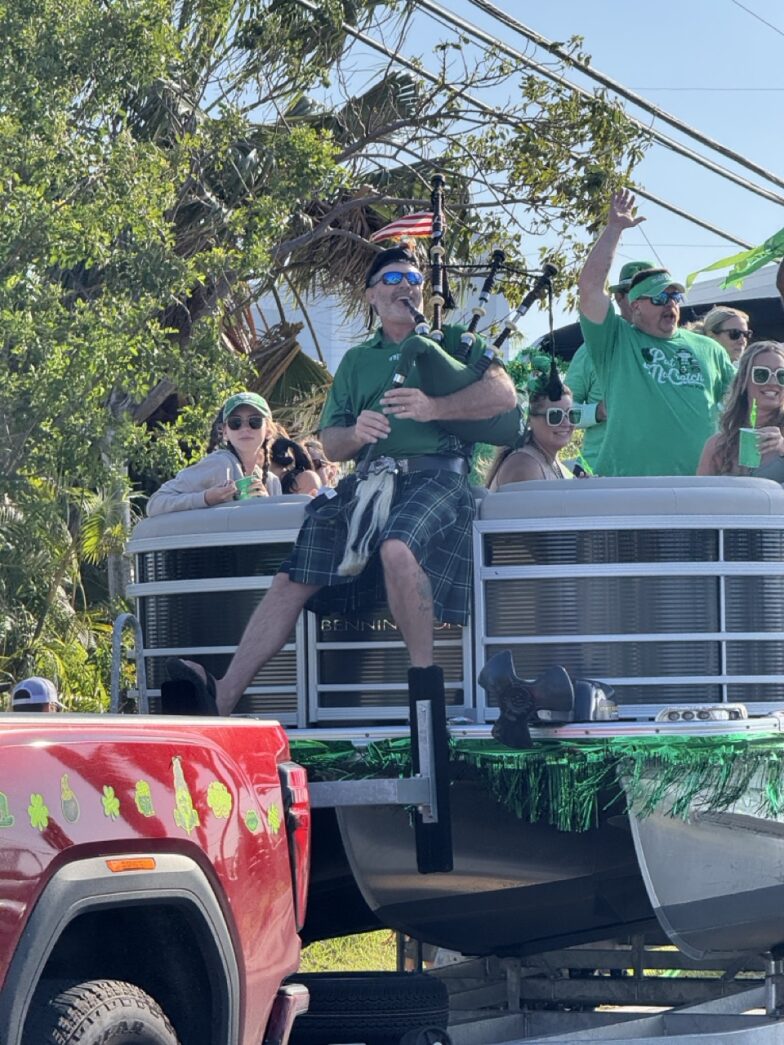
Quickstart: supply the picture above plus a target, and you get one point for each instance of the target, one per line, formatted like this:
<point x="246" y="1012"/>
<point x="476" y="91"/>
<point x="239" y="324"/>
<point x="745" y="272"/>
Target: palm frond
<point x="392" y="100"/>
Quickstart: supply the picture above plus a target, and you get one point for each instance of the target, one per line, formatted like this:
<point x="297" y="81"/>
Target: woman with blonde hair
<point x="760" y="381"/>
<point x="730" y="327"/>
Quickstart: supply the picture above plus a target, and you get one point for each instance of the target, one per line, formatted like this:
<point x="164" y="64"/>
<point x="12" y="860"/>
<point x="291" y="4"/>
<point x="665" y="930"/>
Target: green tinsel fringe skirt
<point x="571" y="784"/>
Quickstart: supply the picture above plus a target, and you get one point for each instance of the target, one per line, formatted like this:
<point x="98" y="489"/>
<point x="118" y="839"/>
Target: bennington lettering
<point x="339" y="625"/>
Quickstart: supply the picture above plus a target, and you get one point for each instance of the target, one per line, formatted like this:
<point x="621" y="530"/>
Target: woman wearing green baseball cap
<point x="237" y="469"/>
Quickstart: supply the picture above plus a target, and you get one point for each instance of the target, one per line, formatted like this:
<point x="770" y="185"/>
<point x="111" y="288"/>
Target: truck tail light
<point x="132" y="863"/>
<point x="296" y="806"/>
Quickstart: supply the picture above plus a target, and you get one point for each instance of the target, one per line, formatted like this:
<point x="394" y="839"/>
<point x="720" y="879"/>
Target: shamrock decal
<point x="274" y="819"/>
<point x="110" y="802"/>
<point x="219" y="799"/>
<point x="38" y="812"/>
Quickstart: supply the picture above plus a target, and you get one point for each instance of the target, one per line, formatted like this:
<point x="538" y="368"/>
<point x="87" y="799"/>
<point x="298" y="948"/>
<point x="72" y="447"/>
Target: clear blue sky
<point x="710" y="63"/>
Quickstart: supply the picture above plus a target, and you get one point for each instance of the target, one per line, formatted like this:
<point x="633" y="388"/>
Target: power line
<point x="625" y="92"/>
<point x="656" y="255"/>
<point x="726" y="90"/>
<point x="492" y="41"/>
<point x="489" y="110"/>
<point x="690" y="217"/>
<point x="759" y="18"/>
<point x="682" y="246"/>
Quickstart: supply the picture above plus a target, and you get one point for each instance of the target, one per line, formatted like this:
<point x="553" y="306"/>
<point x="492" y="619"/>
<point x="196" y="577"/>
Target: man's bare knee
<point x="281" y="582"/>
<point x="396" y="555"/>
<point x="283" y="588"/>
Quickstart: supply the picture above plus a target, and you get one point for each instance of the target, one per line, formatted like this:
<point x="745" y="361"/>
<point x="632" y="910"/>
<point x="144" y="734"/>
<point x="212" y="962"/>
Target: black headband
<point x="389" y="257"/>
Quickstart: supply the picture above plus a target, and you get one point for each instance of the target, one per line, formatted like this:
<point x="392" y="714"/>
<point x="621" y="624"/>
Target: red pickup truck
<point x="153" y="878"/>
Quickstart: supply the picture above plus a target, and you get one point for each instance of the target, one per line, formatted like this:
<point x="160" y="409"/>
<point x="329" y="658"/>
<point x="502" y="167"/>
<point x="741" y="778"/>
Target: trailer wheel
<point x="376" y="1008"/>
<point x="96" y="1011"/>
<point x="426" y="1036"/>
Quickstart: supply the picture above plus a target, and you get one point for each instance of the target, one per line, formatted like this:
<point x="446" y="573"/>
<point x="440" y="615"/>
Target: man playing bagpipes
<point x="400" y="527"/>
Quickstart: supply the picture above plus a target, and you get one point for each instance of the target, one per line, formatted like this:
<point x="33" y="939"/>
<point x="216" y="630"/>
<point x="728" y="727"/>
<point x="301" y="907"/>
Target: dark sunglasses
<point x="392" y="279"/>
<point x="667" y="295"/>
<point x="760" y="375"/>
<point x="554" y="416"/>
<point x="255" y="421"/>
<point x="736" y="335"/>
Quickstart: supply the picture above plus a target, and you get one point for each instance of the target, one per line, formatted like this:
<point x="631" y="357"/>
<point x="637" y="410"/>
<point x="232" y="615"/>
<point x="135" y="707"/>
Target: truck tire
<point x="95" y="1012"/>
<point x="376" y="1008"/>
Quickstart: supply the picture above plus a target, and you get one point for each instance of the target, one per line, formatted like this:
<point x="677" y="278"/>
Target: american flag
<point x="420" y="224"/>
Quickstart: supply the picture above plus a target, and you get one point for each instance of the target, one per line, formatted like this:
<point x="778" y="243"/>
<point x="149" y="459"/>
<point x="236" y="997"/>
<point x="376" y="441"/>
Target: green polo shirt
<point x="365" y="373"/>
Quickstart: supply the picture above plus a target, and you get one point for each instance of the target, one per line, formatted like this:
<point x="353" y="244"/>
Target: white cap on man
<point x="30" y="694"/>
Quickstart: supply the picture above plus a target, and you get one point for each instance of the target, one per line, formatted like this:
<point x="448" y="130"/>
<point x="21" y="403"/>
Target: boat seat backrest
<point x="633" y="496"/>
<point x="285" y="512"/>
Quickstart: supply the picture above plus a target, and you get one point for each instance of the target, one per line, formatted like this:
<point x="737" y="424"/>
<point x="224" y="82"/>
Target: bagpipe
<point x="441" y="372"/>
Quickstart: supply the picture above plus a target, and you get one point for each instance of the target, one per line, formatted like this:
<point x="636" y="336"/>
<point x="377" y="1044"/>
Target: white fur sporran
<point x="374" y="494"/>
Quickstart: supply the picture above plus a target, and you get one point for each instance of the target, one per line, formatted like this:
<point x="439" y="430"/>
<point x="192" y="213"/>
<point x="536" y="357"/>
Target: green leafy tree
<point x="162" y="164"/>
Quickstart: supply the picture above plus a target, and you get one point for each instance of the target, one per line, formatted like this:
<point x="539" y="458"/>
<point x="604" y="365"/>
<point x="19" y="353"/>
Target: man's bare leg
<point x="265" y="634"/>
<point x="410" y="599"/>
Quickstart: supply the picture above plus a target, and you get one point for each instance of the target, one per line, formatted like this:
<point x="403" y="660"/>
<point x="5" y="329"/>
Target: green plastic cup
<point x="748" y="448"/>
<point x="243" y="487"/>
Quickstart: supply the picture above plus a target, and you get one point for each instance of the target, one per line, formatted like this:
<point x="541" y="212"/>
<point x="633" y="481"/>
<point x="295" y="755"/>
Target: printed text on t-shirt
<point x="680" y="369"/>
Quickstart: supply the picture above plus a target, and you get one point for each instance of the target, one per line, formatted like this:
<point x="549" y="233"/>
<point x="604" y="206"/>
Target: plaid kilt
<point x="432" y="512"/>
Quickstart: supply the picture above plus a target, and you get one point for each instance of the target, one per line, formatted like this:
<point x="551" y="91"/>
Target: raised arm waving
<point x="594" y="300"/>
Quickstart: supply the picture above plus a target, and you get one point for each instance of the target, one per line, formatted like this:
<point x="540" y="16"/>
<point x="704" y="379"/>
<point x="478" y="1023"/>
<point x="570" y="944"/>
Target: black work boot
<point x="433" y="840"/>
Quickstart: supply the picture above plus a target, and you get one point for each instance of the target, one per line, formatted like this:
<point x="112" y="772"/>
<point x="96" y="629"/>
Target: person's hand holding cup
<point x="249" y="486"/>
<point x="770" y="440"/>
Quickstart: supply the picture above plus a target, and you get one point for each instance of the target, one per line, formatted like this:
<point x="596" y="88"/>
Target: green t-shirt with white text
<point x="362" y="377"/>
<point x="662" y="396"/>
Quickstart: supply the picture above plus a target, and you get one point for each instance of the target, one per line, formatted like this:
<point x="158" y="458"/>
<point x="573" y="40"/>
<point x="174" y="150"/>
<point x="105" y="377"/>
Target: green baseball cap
<point x="247" y="399"/>
<point x="653" y="285"/>
<point x="627" y="274"/>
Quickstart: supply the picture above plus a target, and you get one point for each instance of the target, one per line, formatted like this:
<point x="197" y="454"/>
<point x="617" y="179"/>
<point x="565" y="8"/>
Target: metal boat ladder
<point x="120" y="624"/>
